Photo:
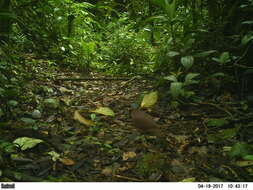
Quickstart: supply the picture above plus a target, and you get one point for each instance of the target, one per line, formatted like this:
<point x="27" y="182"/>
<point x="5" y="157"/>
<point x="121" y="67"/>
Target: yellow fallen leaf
<point x="104" y="111"/>
<point x="149" y="99"/>
<point x="67" y="161"/>
<point x="190" y="179"/>
<point x="107" y="171"/>
<point x="82" y="120"/>
<point x="66" y="100"/>
<point x="128" y="155"/>
<point x="244" y="163"/>
<point x="63" y="90"/>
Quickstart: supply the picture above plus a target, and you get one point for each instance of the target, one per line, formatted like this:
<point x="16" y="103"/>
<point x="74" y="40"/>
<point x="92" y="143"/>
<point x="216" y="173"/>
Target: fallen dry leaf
<point x="82" y="120"/>
<point x="104" y="111"/>
<point x="128" y="155"/>
<point x="67" y="161"/>
<point x="63" y="89"/>
<point x="107" y="171"/>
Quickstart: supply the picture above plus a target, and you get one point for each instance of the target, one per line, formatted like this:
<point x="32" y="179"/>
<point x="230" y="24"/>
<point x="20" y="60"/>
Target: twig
<point x="128" y="178"/>
<point x="90" y="78"/>
<point x="132" y="79"/>
<point x="214" y="105"/>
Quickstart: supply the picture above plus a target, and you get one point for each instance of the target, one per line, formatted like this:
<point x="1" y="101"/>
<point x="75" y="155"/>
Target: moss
<point x="150" y="163"/>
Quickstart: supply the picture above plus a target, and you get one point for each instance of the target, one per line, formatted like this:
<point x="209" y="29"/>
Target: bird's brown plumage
<point x="145" y="123"/>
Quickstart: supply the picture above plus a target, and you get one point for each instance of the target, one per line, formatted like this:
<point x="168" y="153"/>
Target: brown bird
<point x="145" y="123"/>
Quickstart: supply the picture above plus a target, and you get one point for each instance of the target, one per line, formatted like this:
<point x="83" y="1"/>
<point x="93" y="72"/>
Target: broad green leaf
<point x="248" y="157"/>
<point x="220" y="74"/>
<point x="104" y="111"/>
<point x="191" y="76"/>
<point x="7" y="147"/>
<point x="149" y="99"/>
<point x="26" y="142"/>
<point x="246" y="39"/>
<point x="160" y="3"/>
<point x="217" y="122"/>
<point x="153" y="18"/>
<point x="225" y="134"/>
<point x="228" y="133"/>
<point x="28" y="120"/>
<point x="176" y="89"/>
<point x="240" y="150"/>
<point x="172" y="53"/>
<point x="225" y="57"/>
<point x="187" y="61"/>
<point x="205" y="53"/>
<point x="51" y="103"/>
<point x="54" y="155"/>
<point x="12" y="103"/>
<point x="247" y="22"/>
<point x="170" y="9"/>
<point x="81" y="119"/>
<point x="171" y="78"/>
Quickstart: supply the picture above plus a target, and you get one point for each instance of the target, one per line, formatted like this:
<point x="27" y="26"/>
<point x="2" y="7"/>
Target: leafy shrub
<point x="125" y="51"/>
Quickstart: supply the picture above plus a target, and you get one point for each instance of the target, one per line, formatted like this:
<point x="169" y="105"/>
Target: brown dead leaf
<point x="128" y="155"/>
<point x="107" y="171"/>
<point x="67" y="161"/>
<point x="66" y="100"/>
<point x="81" y="119"/>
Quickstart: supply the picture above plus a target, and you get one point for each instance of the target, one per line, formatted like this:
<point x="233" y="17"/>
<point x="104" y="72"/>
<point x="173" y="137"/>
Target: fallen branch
<point x="93" y="79"/>
<point x="128" y="178"/>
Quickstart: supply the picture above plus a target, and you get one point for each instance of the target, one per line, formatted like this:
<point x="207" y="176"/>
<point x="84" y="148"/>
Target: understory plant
<point x="123" y="50"/>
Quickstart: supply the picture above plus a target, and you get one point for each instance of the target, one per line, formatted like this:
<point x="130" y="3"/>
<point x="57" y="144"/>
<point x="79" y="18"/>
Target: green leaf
<point x="28" y="120"/>
<point x="27" y="142"/>
<point x="176" y="89"/>
<point x="246" y="39"/>
<point x="171" y="78"/>
<point x="205" y="53"/>
<point x="54" y="155"/>
<point x="248" y="22"/>
<point x="7" y="147"/>
<point x="104" y="111"/>
<point x="224" y="58"/>
<point x="219" y="74"/>
<point x="240" y="150"/>
<point x="149" y="99"/>
<point x="227" y="134"/>
<point x="191" y="76"/>
<point x="170" y="9"/>
<point x="154" y="18"/>
<point x="248" y="157"/>
<point x="51" y="103"/>
<point x="172" y="53"/>
<point x="12" y="103"/>
<point x="217" y="122"/>
<point x="187" y="61"/>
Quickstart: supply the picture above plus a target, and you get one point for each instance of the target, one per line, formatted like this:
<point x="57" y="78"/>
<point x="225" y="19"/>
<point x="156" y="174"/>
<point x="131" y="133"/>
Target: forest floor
<point x="113" y="150"/>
